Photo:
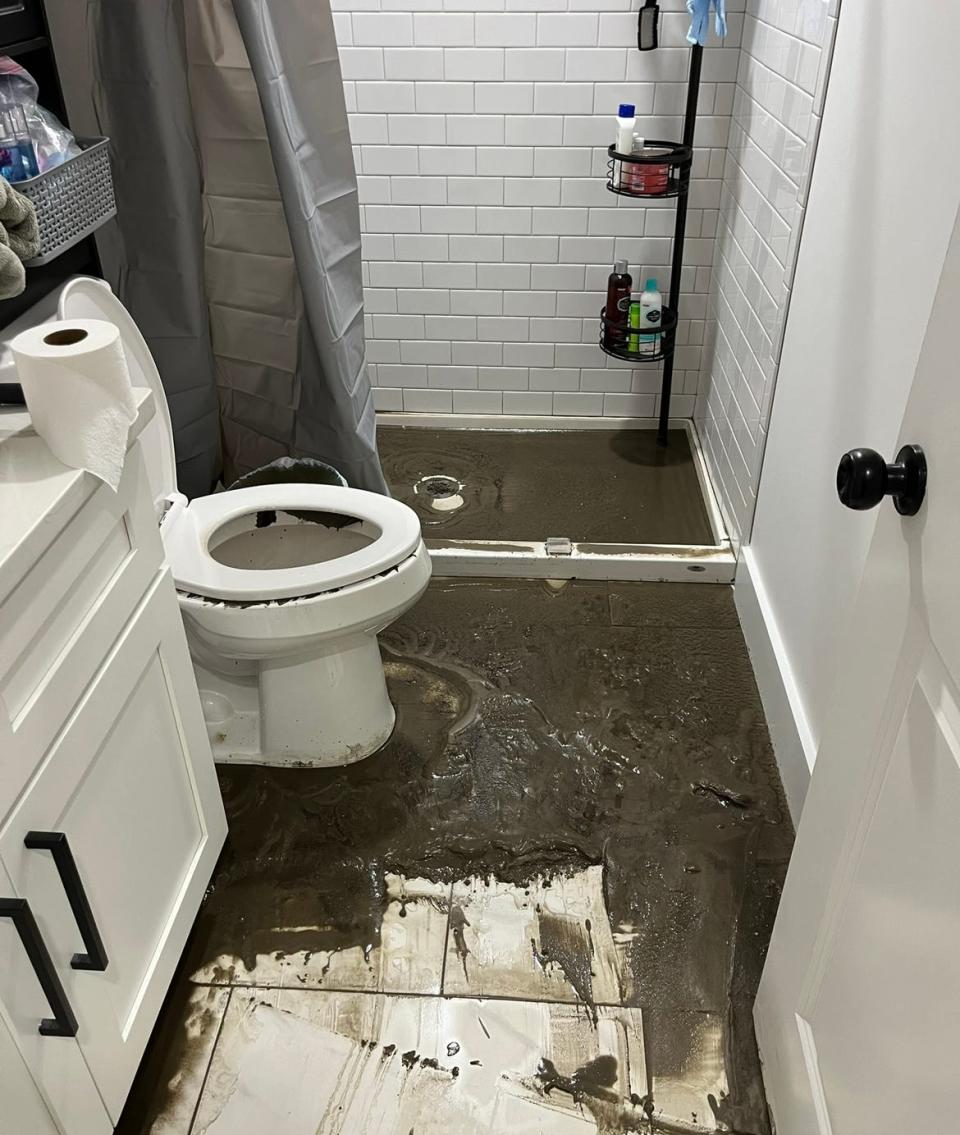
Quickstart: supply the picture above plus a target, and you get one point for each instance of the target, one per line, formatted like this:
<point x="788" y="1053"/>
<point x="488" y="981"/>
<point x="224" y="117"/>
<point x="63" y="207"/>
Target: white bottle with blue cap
<point x="626" y="124"/>
<point x="651" y="317"/>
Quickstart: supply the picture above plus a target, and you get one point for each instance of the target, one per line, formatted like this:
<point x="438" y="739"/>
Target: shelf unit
<point x="25" y="36"/>
<point x="625" y="180"/>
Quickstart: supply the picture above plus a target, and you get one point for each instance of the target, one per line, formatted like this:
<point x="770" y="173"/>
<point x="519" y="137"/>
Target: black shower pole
<point x="689" y="126"/>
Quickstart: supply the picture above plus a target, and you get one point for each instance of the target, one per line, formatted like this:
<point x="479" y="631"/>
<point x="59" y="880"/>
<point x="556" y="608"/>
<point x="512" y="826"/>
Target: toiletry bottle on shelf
<point x="618" y="306"/>
<point x="623" y="140"/>
<point x="651" y="315"/>
<point x="634" y="341"/>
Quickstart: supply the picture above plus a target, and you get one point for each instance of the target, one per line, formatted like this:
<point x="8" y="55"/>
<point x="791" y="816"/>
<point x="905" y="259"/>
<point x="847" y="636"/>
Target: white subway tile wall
<point x="480" y="130"/>
<point x="784" y="63"/>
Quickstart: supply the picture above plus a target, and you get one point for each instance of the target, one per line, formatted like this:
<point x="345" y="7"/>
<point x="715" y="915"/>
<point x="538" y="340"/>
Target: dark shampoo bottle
<point x="618" y="305"/>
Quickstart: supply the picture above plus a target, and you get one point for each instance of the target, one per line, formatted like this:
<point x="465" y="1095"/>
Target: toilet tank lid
<point x="84" y="297"/>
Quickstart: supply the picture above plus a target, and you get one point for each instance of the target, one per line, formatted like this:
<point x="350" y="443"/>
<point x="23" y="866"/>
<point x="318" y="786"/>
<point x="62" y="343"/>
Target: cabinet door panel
<point x="55" y="1063"/>
<point x="58" y="623"/>
<point x="131" y="783"/>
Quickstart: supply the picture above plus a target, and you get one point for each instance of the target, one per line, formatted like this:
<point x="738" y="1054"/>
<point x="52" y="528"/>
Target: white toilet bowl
<point x="283" y="590"/>
<point x="301" y="599"/>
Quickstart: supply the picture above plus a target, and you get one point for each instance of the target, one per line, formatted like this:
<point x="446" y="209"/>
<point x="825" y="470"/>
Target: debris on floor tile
<point x="405" y="957"/>
<point x="355" y="1063"/>
<point x="549" y="940"/>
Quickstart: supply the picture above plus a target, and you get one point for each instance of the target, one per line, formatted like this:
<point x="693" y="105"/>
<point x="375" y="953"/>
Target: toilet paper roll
<point x="78" y="391"/>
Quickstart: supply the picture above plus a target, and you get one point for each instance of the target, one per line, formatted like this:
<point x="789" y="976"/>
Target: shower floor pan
<point x="557" y="498"/>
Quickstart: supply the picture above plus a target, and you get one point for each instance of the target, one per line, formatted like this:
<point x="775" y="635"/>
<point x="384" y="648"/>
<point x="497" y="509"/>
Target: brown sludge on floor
<point x="562" y="868"/>
<point x="598" y="486"/>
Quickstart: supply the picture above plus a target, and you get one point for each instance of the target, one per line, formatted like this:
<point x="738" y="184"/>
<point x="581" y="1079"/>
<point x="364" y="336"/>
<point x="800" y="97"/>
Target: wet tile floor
<point x="541" y="908"/>
<point x="595" y="486"/>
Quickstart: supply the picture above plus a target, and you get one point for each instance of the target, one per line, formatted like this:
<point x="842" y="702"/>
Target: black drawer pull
<point x="63" y="1022"/>
<point x="56" y="842"/>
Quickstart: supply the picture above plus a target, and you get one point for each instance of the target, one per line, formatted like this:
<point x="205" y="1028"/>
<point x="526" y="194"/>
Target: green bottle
<point x="634" y="341"/>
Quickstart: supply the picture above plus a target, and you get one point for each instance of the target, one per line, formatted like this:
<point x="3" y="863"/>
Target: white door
<point x="858" y="1012"/>
<point x="131" y="783"/>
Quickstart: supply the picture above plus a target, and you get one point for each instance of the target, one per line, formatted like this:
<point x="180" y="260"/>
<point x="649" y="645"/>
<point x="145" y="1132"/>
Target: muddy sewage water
<point x="599" y="486"/>
<point x="541" y="730"/>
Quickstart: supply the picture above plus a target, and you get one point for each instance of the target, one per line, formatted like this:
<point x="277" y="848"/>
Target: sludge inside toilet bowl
<point x="275" y="539"/>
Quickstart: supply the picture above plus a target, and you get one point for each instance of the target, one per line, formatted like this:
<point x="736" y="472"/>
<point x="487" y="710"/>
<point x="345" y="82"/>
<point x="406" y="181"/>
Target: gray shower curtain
<point x="237" y="208"/>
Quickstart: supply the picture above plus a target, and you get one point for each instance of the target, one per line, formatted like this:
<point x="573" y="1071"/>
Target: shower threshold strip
<point x="561" y="558"/>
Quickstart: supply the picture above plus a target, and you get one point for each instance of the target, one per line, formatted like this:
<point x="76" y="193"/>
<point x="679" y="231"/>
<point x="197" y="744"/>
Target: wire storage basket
<point x="72" y="200"/>
<point x="660" y="169"/>
<point x="635" y="344"/>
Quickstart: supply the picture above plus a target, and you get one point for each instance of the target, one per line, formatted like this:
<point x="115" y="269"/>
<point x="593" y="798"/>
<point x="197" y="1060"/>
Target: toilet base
<point x="328" y="710"/>
<point x="314" y="711"/>
<point x="301" y="682"/>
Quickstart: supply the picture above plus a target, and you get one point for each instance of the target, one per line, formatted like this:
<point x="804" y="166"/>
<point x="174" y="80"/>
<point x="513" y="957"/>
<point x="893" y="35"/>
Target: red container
<point x="648" y="178"/>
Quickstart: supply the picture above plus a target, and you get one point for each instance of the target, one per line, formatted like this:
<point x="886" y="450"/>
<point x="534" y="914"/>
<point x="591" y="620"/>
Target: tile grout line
<point x="446" y="940"/>
<point x="213" y="1052"/>
<point x="575" y="1001"/>
<point x="646" y="1063"/>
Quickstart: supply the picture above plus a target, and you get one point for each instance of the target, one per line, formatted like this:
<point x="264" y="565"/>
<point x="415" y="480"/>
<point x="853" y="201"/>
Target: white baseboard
<point x="790" y="733"/>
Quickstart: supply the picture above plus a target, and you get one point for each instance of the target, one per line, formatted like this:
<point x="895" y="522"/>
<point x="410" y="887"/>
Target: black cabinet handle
<point x="864" y="479"/>
<point x="56" y="842"/>
<point x="63" y="1022"/>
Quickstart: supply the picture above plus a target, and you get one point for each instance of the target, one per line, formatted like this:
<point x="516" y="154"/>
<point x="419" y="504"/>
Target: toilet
<point x="283" y="590"/>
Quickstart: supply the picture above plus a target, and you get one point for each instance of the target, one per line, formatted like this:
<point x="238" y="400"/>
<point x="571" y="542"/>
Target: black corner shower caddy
<point x="664" y="174"/>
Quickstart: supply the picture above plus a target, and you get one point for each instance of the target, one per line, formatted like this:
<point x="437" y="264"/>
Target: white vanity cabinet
<point x="110" y="814"/>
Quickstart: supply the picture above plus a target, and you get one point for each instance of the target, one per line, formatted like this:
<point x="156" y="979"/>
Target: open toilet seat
<point x="189" y="531"/>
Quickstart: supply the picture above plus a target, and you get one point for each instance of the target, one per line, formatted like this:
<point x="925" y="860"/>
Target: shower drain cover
<point x="442" y="493"/>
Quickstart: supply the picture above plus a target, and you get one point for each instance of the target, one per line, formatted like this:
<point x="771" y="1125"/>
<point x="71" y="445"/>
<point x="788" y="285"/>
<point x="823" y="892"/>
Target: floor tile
<point x="304" y="1062"/>
<point x="177" y="1060"/>
<point x="685" y="1063"/>
<point x="667" y="605"/>
<point x="409" y="958"/>
<point x="549" y="941"/>
<point x="520" y="603"/>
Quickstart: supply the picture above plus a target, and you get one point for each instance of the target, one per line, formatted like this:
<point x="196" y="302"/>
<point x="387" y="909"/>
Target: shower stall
<point x="492" y="211"/>
<point x="568" y="495"/>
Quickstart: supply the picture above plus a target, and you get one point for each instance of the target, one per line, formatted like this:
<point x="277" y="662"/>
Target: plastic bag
<point x="48" y="142"/>
<point x="292" y="470"/>
<point x="302" y="471"/>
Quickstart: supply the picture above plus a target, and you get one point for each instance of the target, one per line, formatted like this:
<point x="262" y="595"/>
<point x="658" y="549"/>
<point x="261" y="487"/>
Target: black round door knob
<point x="864" y="479"/>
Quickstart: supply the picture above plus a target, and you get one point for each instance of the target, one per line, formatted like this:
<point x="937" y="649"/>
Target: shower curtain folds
<point x="261" y="150"/>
